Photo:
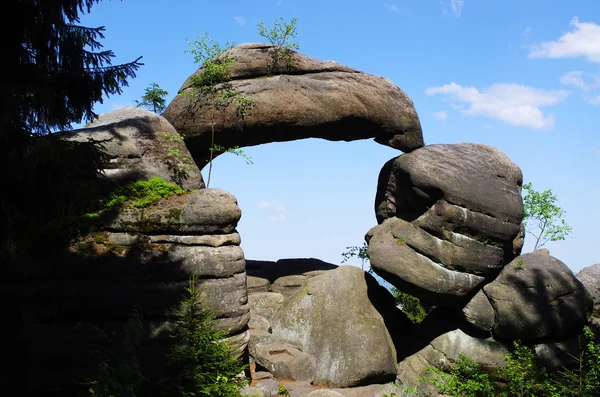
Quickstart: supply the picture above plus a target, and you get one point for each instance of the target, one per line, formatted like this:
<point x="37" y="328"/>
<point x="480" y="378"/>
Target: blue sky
<point x="523" y="76"/>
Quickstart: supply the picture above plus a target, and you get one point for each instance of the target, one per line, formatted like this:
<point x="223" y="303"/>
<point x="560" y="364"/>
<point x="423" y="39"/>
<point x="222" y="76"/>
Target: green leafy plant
<point x="543" y="217"/>
<point x="520" y="264"/>
<point x="406" y="391"/>
<point x="415" y="310"/>
<point x="200" y="362"/>
<point x="279" y="37"/>
<point x="142" y="193"/>
<point x="361" y="253"/>
<point x="212" y="82"/>
<point x="283" y="391"/>
<point x="522" y="374"/>
<point x="412" y="306"/>
<point x="465" y="379"/>
<point x="153" y="98"/>
<point x="583" y="380"/>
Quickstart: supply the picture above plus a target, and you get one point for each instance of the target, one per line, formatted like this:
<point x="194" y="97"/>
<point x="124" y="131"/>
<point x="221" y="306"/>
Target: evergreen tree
<point x="153" y="98"/>
<point x="54" y="72"/>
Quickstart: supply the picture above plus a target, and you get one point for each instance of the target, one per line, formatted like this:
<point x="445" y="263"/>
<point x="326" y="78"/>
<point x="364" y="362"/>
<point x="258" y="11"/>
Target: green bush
<point x="201" y="363"/>
<point x="142" y="193"/>
<point x="465" y="379"/>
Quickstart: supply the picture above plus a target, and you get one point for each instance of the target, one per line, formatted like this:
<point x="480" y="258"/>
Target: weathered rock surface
<point x="450" y="216"/>
<point x="138" y="143"/>
<point x="351" y="348"/>
<point x="206" y="211"/>
<point x="285" y="361"/>
<point x="590" y="278"/>
<point x="316" y="99"/>
<point x="535" y="297"/>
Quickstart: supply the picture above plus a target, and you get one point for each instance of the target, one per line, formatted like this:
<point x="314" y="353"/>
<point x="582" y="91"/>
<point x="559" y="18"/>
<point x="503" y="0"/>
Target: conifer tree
<point x="54" y="71"/>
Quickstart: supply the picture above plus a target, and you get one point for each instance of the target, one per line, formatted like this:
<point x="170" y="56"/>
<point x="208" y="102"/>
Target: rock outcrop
<point x="449" y="218"/>
<point x="141" y="145"/>
<point x="341" y="318"/>
<point x="314" y="99"/>
<point x="535" y="298"/>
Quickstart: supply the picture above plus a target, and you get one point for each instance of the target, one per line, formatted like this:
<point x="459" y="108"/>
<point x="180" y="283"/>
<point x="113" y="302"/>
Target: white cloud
<point x="596" y="151"/>
<point x="527" y="31"/>
<point x="582" y="41"/>
<point x="240" y="20"/>
<point x="488" y="126"/>
<point x="589" y="83"/>
<point x="117" y="106"/>
<point x="456" y="6"/>
<point x="270" y="204"/>
<point x="392" y="7"/>
<point x="516" y="104"/>
<point x="442" y="115"/>
<point x="575" y="78"/>
<point x="277" y="218"/>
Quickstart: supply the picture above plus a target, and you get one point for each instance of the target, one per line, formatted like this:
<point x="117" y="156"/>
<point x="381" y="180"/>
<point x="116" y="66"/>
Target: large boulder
<point x="590" y="278"/>
<point x="314" y="99"/>
<point x="535" y="298"/>
<point x="340" y="318"/>
<point x="141" y="144"/>
<point x="450" y="218"/>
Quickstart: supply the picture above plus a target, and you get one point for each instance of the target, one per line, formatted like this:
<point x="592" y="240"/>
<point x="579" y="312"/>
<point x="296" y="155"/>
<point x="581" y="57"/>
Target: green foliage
<point x="406" y="391"/>
<point x="118" y="372"/>
<point x="54" y="72"/>
<point x="279" y="36"/>
<point x="360" y="253"/>
<point x="543" y="217"/>
<point x="412" y="306"/>
<point x="523" y="377"/>
<point x="233" y="150"/>
<point x="142" y="193"/>
<point x="212" y="82"/>
<point x="520" y="264"/>
<point x="200" y="362"/>
<point x="153" y="98"/>
<point x="283" y="391"/>
<point x="584" y="379"/>
<point x="415" y="310"/>
<point x="465" y="379"/>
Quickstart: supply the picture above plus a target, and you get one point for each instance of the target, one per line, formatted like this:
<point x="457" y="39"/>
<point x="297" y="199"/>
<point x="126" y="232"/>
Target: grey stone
<point x="257" y="284"/>
<point x="206" y="211"/>
<point x="324" y="393"/>
<point x="479" y="312"/>
<point x="317" y="99"/>
<point x="288" y="285"/>
<point x="339" y="318"/>
<point x="138" y="143"/>
<point x="214" y="240"/>
<point x="451" y="213"/>
<point x="285" y="361"/>
<point x="269" y="387"/>
<point x="536" y="297"/>
<point x="265" y="304"/>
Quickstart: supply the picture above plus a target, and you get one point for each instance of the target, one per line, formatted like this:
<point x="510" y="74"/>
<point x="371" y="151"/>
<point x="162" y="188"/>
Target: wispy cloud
<point x="589" y="83"/>
<point x="583" y="40"/>
<point x="513" y="103"/>
<point x="453" y="7"/>
<point x="274" y="208"/>
<point x="118" y="105"/>
<point x="488" y="126"/>
<point x="442" y="115"/>
<point x="392" y="7"/>
<point x="596" y="150"/>
<point x="241" y="21"/>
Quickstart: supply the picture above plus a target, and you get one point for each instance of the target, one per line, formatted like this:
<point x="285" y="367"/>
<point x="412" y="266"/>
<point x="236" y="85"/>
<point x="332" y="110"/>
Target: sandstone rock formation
<point x="139" y="260"/>
<point x="340" y="318"/>
<point x="534" y="298"/>
<point x="315" y="99"/>
<point x="450" y="216"/>
<point x="141" y="145"/>
<point x="590" y="278"/>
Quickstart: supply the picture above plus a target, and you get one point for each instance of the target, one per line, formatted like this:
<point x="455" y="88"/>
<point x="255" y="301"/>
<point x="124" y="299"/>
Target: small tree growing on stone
<point x="543" y="217"/>
<point x="153" y="98"/>
<point x="279" y="36"/>
<point x="213" y="82"/>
